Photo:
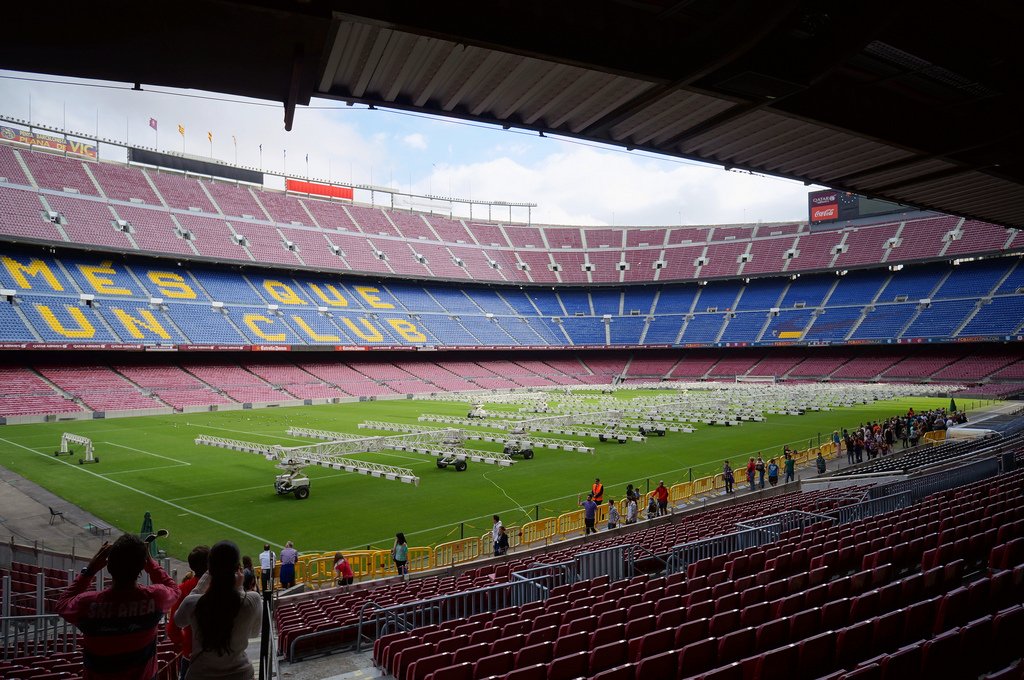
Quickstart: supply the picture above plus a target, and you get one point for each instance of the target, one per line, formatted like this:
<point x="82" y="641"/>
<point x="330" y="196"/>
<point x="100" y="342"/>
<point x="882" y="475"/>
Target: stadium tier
<point x="46" y="198"/>
<point x="87" y="298"/>
<point x="909" y="587"/>
<point x="133" y="382"/>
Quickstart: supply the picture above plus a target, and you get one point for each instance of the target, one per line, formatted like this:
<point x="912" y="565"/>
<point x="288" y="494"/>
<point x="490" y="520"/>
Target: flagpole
<point x="261" y="157"/>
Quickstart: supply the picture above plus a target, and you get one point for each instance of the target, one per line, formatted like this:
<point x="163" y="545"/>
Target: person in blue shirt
<point x="589" y="514"/>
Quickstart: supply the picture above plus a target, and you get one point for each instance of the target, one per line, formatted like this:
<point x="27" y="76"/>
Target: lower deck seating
<point x="896" y="608"/>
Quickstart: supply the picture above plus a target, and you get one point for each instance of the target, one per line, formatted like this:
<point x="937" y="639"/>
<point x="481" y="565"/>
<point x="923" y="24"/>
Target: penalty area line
<point x="97" y="475"/>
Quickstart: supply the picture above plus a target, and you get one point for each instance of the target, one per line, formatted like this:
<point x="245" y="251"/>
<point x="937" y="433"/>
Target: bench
<point x="99" y="528"/>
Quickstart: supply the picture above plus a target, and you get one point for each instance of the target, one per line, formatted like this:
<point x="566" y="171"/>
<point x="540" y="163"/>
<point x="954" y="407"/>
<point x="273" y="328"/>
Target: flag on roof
<point x="152" y="123"/>
<point x="209" y="135"/>
<point x="181" y="129"/>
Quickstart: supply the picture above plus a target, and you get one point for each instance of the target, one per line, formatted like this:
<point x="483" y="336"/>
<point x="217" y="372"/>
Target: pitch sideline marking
<point x="125" y="472"/>
<point x="148" y="453"/>
<point x="141" y="492"/>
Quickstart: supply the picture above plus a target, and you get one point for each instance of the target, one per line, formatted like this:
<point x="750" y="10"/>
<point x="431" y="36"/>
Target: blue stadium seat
<point x="92" y="330"/>
<point x="745" y="326"/>
<point x="834" y="323"/>
<point x="608" y="302"/>
<point x="940" y="319"/>
<point x="639" y="299"/>
<point x="703" y="328"/>
<point x="809" y="290"/>
<point x="626" y="330"/>
<point x="857" y="288"/>
<point x="972" y="279"/>
<point x="675" y="300"/>
<point x="1000" y="317"/>
<point x="576" y="302"/>
<point x="663" y="330"/>
<point x="414" y="298"/>
<point x="228" y="287"/>
<point x="585" y="330"/>
<point x="885" y="321"/>
<point x="11" y="326"/>
<point x="546" y="302"/>
<point x="203" y="325"/>
<point x="720" y="294"/>
<point x="490" y="301"/>
<point x="761" y="294"/>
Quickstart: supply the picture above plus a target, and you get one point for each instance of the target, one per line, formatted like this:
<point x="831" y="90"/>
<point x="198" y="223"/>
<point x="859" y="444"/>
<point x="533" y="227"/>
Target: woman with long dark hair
<point x="400" y="554"/>
<point x="223" y="618"/>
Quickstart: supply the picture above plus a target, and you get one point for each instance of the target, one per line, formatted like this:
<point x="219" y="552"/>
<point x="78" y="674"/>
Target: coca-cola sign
<point x="823" y="206"/>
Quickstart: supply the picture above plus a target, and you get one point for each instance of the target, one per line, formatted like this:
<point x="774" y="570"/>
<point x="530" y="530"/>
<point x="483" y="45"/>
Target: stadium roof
<point x="917" y="102"/>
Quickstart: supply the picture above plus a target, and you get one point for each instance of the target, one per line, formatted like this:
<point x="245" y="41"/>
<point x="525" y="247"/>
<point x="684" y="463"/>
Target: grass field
<point x="204" y="494"/>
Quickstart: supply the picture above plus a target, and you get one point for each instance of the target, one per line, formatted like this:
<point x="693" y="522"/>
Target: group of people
<point x="879" y="438"/>
<point x="657" y="506"/>
<point x="757" y="470"/>
<point x="211" y="617"/>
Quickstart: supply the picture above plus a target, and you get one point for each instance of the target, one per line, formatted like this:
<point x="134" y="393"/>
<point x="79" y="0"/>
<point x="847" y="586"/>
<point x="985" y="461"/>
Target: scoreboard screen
<point x="832" y="205"/>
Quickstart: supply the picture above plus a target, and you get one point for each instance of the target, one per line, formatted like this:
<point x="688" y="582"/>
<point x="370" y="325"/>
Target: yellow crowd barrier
<point x="539" y="531"/>
<point x="679" y="493"/>
<point x="934" y="437"/>
<point x="454" y="552"/>
<point x="570" y="523"/>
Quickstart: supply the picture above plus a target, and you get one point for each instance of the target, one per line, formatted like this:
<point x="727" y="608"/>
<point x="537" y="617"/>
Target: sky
<point x="571" y="181"/>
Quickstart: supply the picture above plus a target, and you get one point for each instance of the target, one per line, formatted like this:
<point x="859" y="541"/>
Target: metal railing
<point x="873" y="506"/>
<point x="38" y="635"/>
<point x="920" y="487"/>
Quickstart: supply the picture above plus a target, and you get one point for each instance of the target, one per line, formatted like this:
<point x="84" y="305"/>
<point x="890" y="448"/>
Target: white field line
<point x="148" y="453"/>
<point x="127" y="472"/>
<point x="86" y="470"/>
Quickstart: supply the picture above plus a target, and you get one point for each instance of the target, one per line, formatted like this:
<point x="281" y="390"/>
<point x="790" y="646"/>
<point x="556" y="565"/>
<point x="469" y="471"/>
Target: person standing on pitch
<point x="597" y="490"/>
<point x="267" y="562"/>
<point x="119" y="624"/>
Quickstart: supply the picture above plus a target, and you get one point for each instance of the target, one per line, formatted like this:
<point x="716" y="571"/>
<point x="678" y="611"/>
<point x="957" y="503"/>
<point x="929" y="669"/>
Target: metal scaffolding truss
<point x="476" y="435"/>
<point x="563" y="424"/>
<point x="319" y="455"/>
<point x="438" y="442"/>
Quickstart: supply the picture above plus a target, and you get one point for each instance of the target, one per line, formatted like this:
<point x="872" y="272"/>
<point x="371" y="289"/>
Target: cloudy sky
<point x="571" y="182"/>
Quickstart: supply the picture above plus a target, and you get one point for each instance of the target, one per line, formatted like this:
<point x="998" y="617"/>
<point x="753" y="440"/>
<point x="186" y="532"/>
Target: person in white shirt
<point x="496" y="534"/>
<point x="223" y="618"/>
<point x="631" y="511"/>
<point x="267" y="561"/>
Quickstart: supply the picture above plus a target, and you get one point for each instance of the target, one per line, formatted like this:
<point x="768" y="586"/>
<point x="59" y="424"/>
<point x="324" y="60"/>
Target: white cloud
<point x="571" y="183"/>
<point x="588" y="186"/>
<point x="415" y="141"/>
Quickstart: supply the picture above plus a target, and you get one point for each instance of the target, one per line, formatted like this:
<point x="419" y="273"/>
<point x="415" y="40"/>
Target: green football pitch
<point x="203" y="494"/>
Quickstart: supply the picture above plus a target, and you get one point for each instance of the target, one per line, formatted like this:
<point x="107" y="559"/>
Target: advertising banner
<point x="823" y="206"/>
<point x="302" y="187"/>
<point x="61" y="144"/>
